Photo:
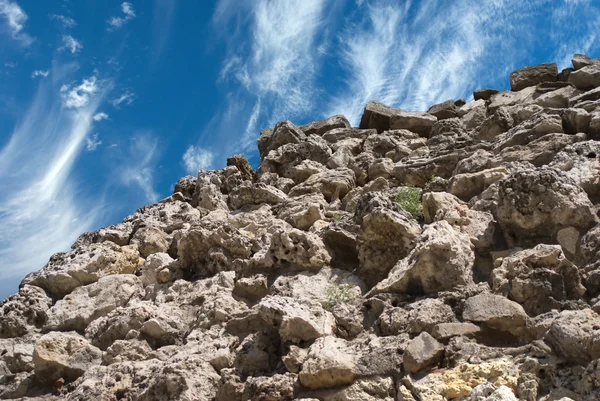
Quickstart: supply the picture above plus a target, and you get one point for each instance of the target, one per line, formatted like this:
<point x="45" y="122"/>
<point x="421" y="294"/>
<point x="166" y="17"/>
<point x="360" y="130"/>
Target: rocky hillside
<point x="446" y="255"/>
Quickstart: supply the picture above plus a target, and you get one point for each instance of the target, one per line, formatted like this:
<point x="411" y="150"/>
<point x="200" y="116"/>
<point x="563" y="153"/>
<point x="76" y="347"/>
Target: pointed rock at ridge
<point x="323" y="126"/>
<point x="533" y="75"/>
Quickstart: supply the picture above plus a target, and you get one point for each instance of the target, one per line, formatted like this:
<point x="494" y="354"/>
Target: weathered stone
<point x="445" y="331"/>
<point x="76" y="310"/>
<point x="467" y="185"/>
<point x="255" y="194"/>
<point x="84" y="265"/>
<point x="586" y="78"/>
<point x="444" y="110"/>
<point x="529" y="76"/>
<point x="296" y="321"/>
<point x="333" y="184"/>
<point x="242" y="164"/>
<point x="420" y="123"/>
<point x="330" y="363"/>
<point x="422" y="352"/>
<point x="484" y="94"/>
<point x="65" y="355"/>
<point x="377" y="116"/>
<point x="24" y="312"/>
<point x="150" y="240"/>
<point x="533" y="205"/>
<point x="574" y="335"/>
<point x="496" y="312"/>
<point x="442" y="260"/>
<point x="322" y="126"/>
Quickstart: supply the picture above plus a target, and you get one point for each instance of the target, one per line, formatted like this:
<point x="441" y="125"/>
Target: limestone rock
<point x="529" y="76"/>
<point x="150" y="240"/>
<point x="496" y="312"/>
<point x="420" y="123"/>
<point x="442" y="260"/>
<point x="377" y="116"/>
<point x="296" y="321"/>
<point x="65" y="355"/>
<point x="323" y="126"/>
<point x="534" y="205"/>
<point x="540" y="279"/>
<point x="388" y="233"/>
<point x="586" y="78"/>
<point x="302" y="211"/>
<point x="422" y="352"/>
<point x="574" y="335"/>
<point x="255" y="194"/>
<point x="76" y="310"/>
<point x="330" y="363"/>
<point x="333" y="184"/>
<point x="24" y="312"/>
<point x="84" y="265"/>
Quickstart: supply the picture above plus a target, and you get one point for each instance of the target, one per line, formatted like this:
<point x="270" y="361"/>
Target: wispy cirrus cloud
<point x="118" y="22"/>
<point x="71" y="44"/>
<point x="126" y="98"/>
<point x="66" y="22"/>
<point x="195" y="158"/>
<point x="269" y="71"/>
<point x="138" y="167"/>
<point x="15" y="19"/>
<point x="39" y="73"/>
<point x="41" y="209"/>
<point x="92" y="143"/>
<point x="100" y="116"/>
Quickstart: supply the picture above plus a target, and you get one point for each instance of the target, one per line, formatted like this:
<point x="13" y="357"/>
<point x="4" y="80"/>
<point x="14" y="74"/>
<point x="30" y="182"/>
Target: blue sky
<point x="105" y="104"/>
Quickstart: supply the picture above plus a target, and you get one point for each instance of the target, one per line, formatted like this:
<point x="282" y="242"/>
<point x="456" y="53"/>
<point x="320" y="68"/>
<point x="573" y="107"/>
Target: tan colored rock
<point x="156" y="269"/>
<point x="575" y="335"/>
<point x="78" y="309"/>
<point x="84" y="265"/>
<point x="534" y="205"/>
<point x="442" y="260"/>
<point x="255" y="194"/>
<point x="296" y="320"/>
<point x="23" y="312"/>
<point x="540" y="279"/>
<point x="150" y="240"/>
<point x="65" y="355"/>
<point x="496" y="312"/>
<point x="302" y="211"/>
<point x="321" y="127"/>
<point x="330" y="363"/>
<point x="467" y="185"/>
<point x="333" y="184"/>
<point x="445" y="331"/>
<point x="367" y="389"/>
<point x="533" y="75"/>
<point x="422" y="352"/>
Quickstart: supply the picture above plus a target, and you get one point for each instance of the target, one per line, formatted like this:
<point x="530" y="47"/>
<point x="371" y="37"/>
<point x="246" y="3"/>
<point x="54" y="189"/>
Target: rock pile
<point x="446" y="255"/>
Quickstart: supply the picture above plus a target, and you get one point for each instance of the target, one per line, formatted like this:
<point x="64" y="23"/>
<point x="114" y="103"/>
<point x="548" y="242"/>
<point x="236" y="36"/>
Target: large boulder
<point x="331" y="362"/>
<point x="422" y="352"/>
<point x="533" y="75"/>
<point x="497" y="313"/>
<point x="540" y="279"/>
<point x="387" y="234"/>
<point x="586" y="78"/>
<point x="84" y="265"/>
<point x="323" y="126"/>
<point x="76" y="310"/>
<point x="420" y="123"/>
<point x="581" y="162"/>
<point x="534" y="205"/>
<point x="296" y="320"/>
<point x="24" y="312"/>
<point x="575" y="335"/>
<point x="442" y="260"/>
<point x="377" y="116"/>
<point x="333" y="184"/>
<point x="63" y="355"/>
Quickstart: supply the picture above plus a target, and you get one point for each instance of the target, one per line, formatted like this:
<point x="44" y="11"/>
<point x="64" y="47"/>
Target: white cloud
<point x="75" y="97"/>
<point x="43" y="210"/>
<point x="138" y="167"/>
<point x="71" y="44"/>
<point x="39" y="73"/>
<point x="10" y="64"/>
<point x="126" y="98"/>
<point x="196" y="158"/>
<point x="118" y="22"/>
<point x="65" y="21"/>
<point x="100" y="116"/>
<point x="92" y="143"/>
<point x="15" y="18"/>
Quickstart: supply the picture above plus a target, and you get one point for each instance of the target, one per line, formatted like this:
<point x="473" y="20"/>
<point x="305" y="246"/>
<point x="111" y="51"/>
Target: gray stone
<point x="422" y="352"/>
<point x="533" y="75"/>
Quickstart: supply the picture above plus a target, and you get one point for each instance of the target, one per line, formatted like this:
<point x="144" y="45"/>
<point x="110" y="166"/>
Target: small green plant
<point x="409" y="199"/>
<point x="337" y="294"/>
<point x="432" y="177"/>
<point x="337" y="216"/>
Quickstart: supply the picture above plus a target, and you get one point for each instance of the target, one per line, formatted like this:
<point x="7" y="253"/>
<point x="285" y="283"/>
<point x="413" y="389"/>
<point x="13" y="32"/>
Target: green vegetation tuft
<point x="337" y="294"/>
<point x="409" y="199"/>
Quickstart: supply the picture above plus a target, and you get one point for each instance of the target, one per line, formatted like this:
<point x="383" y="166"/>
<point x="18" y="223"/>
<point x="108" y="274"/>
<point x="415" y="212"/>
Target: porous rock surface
<point x="452" y="254"/>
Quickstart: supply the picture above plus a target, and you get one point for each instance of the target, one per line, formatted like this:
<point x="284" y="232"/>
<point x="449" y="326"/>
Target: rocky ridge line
<point x="452" y="254"/>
